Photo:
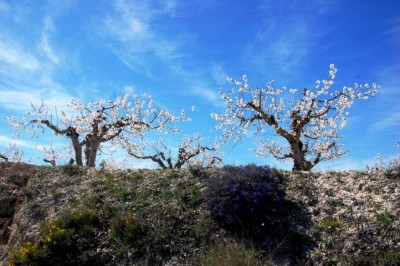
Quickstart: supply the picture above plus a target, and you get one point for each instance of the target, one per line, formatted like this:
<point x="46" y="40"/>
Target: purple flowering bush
<point x="245" y="198"/>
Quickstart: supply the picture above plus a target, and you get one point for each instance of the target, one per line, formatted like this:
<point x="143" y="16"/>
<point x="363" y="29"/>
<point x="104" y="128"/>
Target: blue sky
<point x="180" y="52"/>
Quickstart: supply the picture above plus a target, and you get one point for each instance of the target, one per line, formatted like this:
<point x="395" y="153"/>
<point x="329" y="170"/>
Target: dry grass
<point x="232" y="253"/>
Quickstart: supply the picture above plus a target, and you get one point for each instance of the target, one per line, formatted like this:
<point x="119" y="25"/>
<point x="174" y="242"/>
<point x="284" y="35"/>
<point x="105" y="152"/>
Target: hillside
<point x="73" y="215"/>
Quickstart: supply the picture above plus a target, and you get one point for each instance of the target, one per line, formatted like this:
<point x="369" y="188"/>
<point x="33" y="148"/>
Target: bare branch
<point x="3" y="157"/>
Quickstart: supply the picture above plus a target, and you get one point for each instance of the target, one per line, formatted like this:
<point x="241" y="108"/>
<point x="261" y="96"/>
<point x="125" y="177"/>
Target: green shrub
<point x="128" y="229"/>
<point x="191" y="196"/>
<point x="72" y="170"/>
<point x="28" y="254"/>
<point x="330" y="224"/>
<point x="65" y="241"/>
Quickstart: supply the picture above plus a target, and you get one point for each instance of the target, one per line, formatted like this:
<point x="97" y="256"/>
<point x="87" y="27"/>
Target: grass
<point x="232" y="253"/>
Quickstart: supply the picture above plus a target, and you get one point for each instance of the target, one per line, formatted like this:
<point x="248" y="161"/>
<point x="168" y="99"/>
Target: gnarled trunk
<point x="300" y="163"/>
<point x="91" y="149"/>
<point x="298" y="158"/>
<point x="77" y="149"/>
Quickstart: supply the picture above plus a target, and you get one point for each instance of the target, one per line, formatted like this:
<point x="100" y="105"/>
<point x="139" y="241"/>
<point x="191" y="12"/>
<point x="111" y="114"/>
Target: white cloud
<point x="26" y="77"/>
<point x="130" y="29"/>
<point x="46" y="49"/>
<point x="394" y="31"/>
<point x="218" y="73"/>
<point x="5" y="141"/>
<point x="282" y="45"/>
<point x="208" y="94"/>
<point x="129" y="89"/>
<point x="134" y="26"/>
<point x="12" y="55"/>
<point x="20" y="100"/>
<point x="144" y="45"/>
<point x="389" y="119"/>
<point x="385" y="105"/>
<point x="387" y="77"/>
<point x="44" y="45"/>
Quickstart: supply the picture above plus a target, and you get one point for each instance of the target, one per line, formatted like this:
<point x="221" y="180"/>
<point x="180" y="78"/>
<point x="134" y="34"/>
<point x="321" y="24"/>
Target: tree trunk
<point x="77" y="149"/>
<point x="298" y="157"/>
<point x="91" y="154"/>
<point x="300" y="163"/>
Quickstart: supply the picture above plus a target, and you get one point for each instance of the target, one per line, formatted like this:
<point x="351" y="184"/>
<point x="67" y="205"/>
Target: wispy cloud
<point x="5" y="141"/>
<point x="198" y="86"/>
<point x="20" y="100"/>
<point x="210" y="95"/>
<point x="138" y="34"/>
<point x="218" y="73"/>
<point x="389" y="119"/>
<point x="129" y="89"/>
<point x="387" y="76"/>
<point x="282" y="43"/>
<point x="44" y="46"/>
<point x="386" y="107"/>
<point x="394" y="30"/>
<point x="13" y="56"/>
<point x="158" y="50"/>
<point x="28" y="69"/>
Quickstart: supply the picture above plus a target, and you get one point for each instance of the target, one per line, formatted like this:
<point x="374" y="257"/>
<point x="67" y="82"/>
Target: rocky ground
<point x="338" y="218"/>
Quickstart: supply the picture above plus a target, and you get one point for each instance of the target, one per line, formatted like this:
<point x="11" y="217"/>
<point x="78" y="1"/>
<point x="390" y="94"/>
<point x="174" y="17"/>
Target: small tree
<point x="89" y="126"/>
<point x="190" y="151"/>
<point x="11" y="154"/>
<point x="54" y="154"/>
<point x="309" y="123"/>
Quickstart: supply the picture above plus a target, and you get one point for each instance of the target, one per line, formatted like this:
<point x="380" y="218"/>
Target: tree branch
<point x="51" y="126"/>
<point x="52" y="161"/>
<point x="154" y="158"/>
<point x="3" y="157"/>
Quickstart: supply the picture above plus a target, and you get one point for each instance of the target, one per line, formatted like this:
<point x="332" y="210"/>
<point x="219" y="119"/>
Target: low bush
<point x="128" y="229"/>
<point x="245" y="199"/>
<point x="66" y="240"/>
<point x="72" y="170"/>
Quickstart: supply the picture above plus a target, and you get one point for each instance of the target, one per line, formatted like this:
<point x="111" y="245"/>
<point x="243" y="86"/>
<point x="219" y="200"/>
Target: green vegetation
<point x="65" y="240"/>
<point x="72" y="170"/>
<point x="232" y="253"/>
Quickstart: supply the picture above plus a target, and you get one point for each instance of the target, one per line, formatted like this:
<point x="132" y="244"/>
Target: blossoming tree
<point x="52" y="154"/>
<point x="11" y="154"/>
<point x="89" y="126"/>
<point x="190" y="152"/>
<point x="308" y="123"/>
